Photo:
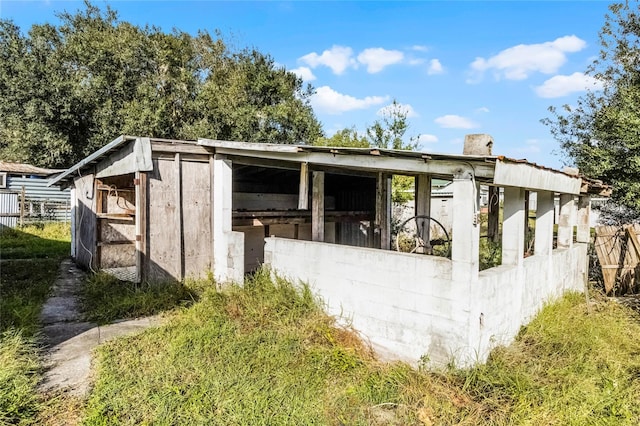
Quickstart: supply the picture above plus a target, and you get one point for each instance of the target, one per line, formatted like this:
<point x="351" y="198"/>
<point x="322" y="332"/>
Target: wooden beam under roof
<point x="483" y="170"/>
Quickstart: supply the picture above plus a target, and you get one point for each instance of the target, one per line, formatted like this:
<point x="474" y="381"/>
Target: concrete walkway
<point x="69" y="340"/>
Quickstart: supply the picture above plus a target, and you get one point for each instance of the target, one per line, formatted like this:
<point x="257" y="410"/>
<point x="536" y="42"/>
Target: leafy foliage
<point x="66" y="90"/>
<point x="386" y="133"/>
<point x="601" y="135"/>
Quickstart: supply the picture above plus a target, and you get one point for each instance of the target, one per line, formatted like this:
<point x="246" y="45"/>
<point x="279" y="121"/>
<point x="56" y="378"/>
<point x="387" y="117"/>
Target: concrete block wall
<point x="508" y="297"/>
<point x="406" y="305"/>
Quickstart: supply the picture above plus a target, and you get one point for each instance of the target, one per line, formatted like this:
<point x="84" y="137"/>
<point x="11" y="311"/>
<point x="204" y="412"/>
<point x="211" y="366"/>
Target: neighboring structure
<point x="25" y="196"/>
<point x="322" y="215"/>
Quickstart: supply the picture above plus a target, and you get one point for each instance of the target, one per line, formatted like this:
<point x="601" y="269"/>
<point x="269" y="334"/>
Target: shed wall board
<point x="163" y="235"/>
<point x="196" y="211"/>
<point x="132" y="157"/>
<point x="117" y="256"/>
<point x="115" y="230"/>
<point x="85" y="221"/>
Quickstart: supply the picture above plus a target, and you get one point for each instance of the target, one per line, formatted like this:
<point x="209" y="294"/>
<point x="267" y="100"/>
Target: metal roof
<point x="303" y="152"/>
<point x="25" y="169"/>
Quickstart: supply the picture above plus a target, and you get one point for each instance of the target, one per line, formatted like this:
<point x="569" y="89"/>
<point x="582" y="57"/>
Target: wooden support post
<point x="565" y="221"/>
<point x="141" y="226"/>
<point x="493" y="221"/>
<point x="423" y="208"/>
<point x="583" y="233"/>
<point x="513" y="226"/>
<point x="317" y="207"/>
<point x="178" y="218"/>
<point x="383" y="211"/>
<point x="303" y="193"/>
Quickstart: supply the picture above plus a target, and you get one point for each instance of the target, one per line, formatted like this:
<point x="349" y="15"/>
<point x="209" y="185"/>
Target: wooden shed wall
<point x="179" y="218"/>
<point x="85" y="220"/>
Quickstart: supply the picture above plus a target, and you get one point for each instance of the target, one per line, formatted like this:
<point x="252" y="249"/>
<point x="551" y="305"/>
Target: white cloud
<point x="415" y="61"/>
<point x="531" y="146"/>
<point x="482" y="109"/>
<point x="338" y="58"/>
<point x="451" y="121"/>
<point x="331" y="102"/>
<point x="403" y="108"/>
<point x="563" y="85"/>
<point x="304" y="73"/>
<point x="377" y="58"/>
<point x="419" y="48"/>
<point x="435" y="67"/>
<point x="427" y="138"/>
<point x="518" y="62"/>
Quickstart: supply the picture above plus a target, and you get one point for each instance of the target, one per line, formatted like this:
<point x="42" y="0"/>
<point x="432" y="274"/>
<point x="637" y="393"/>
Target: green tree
<point x="389" y="131"/>
<point x="601" y="134"/>
<point x="347" y="138"/>
<point x="385" y="133"/>
<point x="66" y="90"/>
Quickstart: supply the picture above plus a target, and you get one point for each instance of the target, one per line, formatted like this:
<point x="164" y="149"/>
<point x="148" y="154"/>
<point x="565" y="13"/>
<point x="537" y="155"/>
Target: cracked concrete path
<point x="70" y="340"/>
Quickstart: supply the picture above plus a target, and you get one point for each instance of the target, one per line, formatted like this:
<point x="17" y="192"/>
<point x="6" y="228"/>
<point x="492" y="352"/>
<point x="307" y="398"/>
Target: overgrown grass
<point x="568" y="367"/>
<point x="267" y="354"/>
<point x="19" y="365"/>
<point x="29" y="266"/>
<point x="105" y="298"/>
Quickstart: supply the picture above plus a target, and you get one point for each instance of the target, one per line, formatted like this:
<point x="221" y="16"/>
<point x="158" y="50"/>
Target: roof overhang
<point x="128" y="154"/>
<point x="532" y="177"/>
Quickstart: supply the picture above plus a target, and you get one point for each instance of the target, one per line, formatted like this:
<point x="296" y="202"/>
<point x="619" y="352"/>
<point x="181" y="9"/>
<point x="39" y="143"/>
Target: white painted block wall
<point x="408" y="306"/>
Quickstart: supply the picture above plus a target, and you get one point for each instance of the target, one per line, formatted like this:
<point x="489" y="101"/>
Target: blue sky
<point x="457" y="67"/>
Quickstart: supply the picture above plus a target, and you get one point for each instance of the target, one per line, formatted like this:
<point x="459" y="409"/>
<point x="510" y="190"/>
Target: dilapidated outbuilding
<point x="159" y="209"/>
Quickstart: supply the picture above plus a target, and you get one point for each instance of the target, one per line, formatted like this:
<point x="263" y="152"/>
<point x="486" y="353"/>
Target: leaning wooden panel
<point x="163" y="236"/>
<point x="196" y="213"/>
<point x="618" y="258"/>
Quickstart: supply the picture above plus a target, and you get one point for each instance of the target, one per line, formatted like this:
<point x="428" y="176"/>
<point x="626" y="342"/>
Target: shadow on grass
<point x="106" y="299"/>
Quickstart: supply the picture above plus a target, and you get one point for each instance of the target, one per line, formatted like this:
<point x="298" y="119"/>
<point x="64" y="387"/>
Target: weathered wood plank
<point x="303" y="195"/>
<point x="181" y="148"/>
<point x="163" y="235"/>
<point x="383" y="210"/>
<point x="317" y="207"/>
<point x="141" y="225"/>
<point x="178" y="215"/>
<point x="196" y="213"/>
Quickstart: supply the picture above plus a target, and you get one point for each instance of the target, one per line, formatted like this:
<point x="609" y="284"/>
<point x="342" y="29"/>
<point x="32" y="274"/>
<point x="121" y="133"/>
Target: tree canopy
<point x="67" y="89"/>
<point x="601" y="134"/>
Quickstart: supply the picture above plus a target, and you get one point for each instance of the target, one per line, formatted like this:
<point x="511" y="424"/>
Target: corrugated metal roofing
<point x="94" y="158"/>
